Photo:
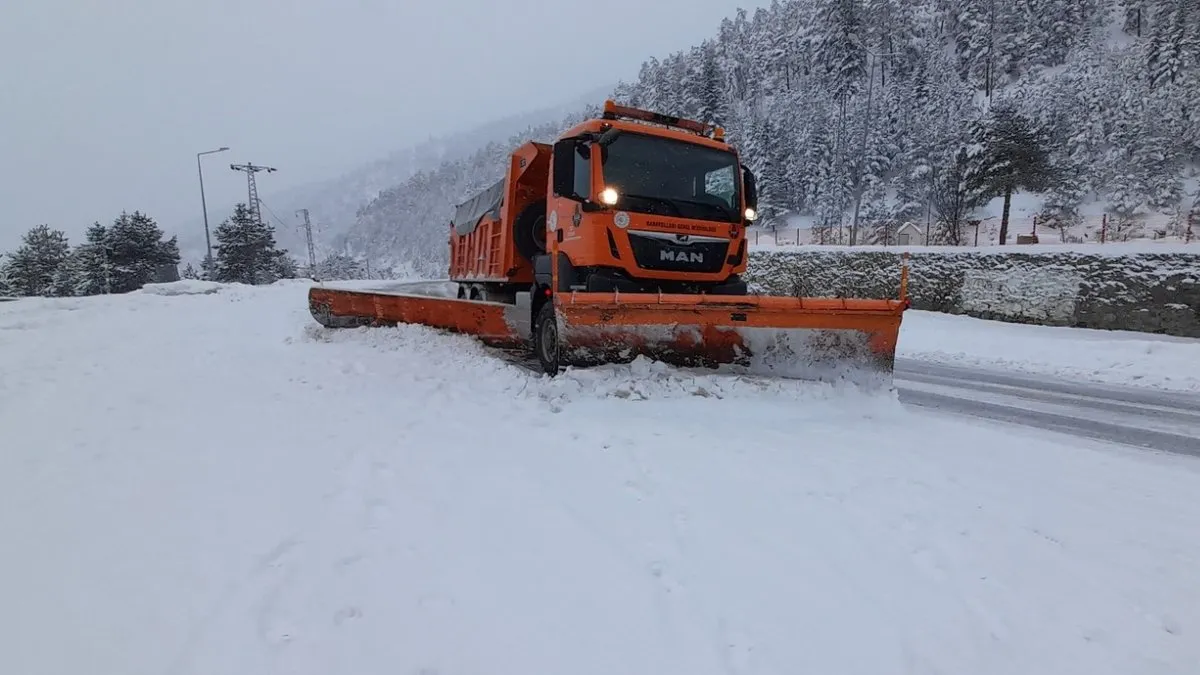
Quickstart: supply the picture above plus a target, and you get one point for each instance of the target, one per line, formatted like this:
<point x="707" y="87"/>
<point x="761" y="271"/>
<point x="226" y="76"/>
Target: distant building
<point x="908" y="235"/>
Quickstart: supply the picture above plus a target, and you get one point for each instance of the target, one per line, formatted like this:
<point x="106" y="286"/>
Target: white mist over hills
<point x="333" y="203"/>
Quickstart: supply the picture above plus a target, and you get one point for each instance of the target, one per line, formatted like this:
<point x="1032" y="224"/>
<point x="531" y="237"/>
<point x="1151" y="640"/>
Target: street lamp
<point x="203" y="205"/>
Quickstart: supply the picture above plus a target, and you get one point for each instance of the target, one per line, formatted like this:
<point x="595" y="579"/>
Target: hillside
<point x="406" y="225"/>
<point x="334" y="203"/>
<point x="877" y="105"/>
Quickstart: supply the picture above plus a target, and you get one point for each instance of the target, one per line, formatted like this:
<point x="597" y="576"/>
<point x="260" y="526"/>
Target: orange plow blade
<point x="493" y="323"/>
<point x="808" y="338"/>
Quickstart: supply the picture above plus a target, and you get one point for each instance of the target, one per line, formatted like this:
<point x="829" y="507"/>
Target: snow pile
<point x="1109" y="357"/>
<point x="459" y="358"/>
<point x="184" y="287"/>
<point x="644" y="380"/>
<point x="209" y="483"/>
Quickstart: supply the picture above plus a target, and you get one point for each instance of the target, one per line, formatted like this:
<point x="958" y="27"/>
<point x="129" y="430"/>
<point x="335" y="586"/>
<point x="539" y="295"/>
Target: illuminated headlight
<point x="621" y="219"/>
<point x="751" y="214"/>
<point x="608" y="196"/>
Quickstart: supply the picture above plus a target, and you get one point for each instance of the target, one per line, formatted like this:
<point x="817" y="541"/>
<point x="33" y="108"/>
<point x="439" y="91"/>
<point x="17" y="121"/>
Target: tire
<point x="545" y="339"/>
<point x="529" y="230"/>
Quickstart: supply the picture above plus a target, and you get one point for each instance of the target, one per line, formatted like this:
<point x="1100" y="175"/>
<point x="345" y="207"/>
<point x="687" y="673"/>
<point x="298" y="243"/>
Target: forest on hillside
<point x="865" y="113"/>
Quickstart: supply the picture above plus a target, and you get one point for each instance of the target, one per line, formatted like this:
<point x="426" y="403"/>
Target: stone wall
<point x="1148" y="292"/>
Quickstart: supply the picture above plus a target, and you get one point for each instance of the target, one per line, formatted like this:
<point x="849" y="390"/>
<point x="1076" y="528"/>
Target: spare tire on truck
<point x="530" y="230"/>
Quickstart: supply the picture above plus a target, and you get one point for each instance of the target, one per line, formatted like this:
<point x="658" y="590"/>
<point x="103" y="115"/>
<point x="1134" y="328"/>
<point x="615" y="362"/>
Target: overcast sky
<point x="105" y="103"/>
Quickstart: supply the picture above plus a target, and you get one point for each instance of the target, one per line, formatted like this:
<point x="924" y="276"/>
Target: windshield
<point x="672" y="178"/>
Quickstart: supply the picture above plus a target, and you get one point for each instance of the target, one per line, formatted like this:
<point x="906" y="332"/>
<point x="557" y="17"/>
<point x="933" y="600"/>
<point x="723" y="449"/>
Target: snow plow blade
<point x="806" y="338"/>
<point x="493" y="323"/>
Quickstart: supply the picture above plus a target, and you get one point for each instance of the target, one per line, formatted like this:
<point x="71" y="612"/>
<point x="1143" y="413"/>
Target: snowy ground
<point x="211" y="484"/>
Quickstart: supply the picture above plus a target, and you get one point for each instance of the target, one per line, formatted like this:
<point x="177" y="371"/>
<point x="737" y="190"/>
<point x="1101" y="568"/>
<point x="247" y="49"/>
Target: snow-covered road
<point x="212" y="484"/>
<point x="1138" y="416"/>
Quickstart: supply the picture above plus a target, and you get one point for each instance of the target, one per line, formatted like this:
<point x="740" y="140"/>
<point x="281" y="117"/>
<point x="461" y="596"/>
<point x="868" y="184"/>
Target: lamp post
<point x="203" y="205"/>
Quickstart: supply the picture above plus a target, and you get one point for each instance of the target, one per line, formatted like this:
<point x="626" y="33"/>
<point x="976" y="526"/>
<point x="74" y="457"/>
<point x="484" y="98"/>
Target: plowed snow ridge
<point x="208" y="483"/>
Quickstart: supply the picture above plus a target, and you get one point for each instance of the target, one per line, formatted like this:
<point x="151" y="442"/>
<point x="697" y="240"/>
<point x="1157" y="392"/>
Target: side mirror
<point x="750" y="187"/>
<point x="564" y="169"/>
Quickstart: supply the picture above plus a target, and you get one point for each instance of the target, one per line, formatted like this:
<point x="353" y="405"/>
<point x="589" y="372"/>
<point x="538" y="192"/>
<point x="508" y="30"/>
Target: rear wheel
<point x="545" y="339"/>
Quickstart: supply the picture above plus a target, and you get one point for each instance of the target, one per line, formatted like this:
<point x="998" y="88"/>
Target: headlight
<point x="751" y="214"/>
<point x="621" y="219"/>
<point x="608" y="196"/>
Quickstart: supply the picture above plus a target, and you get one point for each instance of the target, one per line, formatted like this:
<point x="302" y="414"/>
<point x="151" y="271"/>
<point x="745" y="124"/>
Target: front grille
<point x="652" y="253"/>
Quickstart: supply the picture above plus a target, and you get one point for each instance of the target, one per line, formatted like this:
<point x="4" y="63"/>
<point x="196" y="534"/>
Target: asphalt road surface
<point x="1141" y="417"/>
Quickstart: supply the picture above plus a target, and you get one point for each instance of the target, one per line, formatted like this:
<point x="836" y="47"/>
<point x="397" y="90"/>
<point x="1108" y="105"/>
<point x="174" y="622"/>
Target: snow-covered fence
<point x="1155" y="292"/>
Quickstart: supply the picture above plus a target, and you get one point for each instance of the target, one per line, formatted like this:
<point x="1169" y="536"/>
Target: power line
<point x="272" y="214"/>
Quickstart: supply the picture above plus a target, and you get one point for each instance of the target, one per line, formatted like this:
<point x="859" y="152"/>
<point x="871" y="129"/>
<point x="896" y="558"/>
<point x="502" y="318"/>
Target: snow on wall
<point x="1155" y="292"/>
<point x="1045" y="294"/>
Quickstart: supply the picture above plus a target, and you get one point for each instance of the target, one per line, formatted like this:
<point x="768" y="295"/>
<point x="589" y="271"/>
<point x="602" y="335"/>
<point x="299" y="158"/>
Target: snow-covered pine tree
<point x="286" y="266"/>
<point x="68" y="278"/>
<point x="246" y="251"/>
<point x="6" y="287"/>
<point x="189" y="272"/>
<point x="338" y="266"/>
<point x="208" y="267"/>
<point x="1014" y="157"/>
<point x="34" y="265"/>
<point x="1174" y="46"/>
<point x="93" y="263"/>
<point x="136" y="250"/>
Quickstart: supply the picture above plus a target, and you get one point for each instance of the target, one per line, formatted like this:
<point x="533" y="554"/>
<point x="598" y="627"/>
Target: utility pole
<point x="312" y="253"/>
<point x="252" y="188"/>
<point x="203" y="204"/>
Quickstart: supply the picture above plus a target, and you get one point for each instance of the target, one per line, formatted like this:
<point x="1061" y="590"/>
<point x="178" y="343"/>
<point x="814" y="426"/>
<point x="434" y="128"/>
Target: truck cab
<point x="641" y="202"/>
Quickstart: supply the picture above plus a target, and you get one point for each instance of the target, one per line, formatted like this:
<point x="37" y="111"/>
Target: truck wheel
<point x="545" y="338"/>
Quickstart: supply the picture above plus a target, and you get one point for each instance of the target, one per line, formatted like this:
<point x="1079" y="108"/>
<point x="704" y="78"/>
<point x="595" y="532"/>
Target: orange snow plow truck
<point x="627" y="236"/>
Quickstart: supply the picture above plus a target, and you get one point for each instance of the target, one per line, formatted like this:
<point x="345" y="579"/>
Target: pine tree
<point x="136" y="251"/>
<point x="1013" y="157"/>
<point x="93" y="264"/>
<point x="6" y="286"/>
<point x="189" y="272"/>
<point x="69" y="275"/>
<point x="208" y="268"/>
<point x="36" y="262"/>
<point x="286" y="267"/>
<point x="338" y="266"/>
<point x="246" y="251"/>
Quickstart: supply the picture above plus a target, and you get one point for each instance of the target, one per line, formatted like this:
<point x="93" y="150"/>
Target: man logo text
<point x="681" y="256"/>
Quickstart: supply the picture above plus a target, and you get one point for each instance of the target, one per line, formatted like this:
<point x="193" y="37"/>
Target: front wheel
<point x="545" y="338"/>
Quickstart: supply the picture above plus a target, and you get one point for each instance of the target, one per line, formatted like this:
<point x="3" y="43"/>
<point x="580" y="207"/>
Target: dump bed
<point x="495" y="234"/>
